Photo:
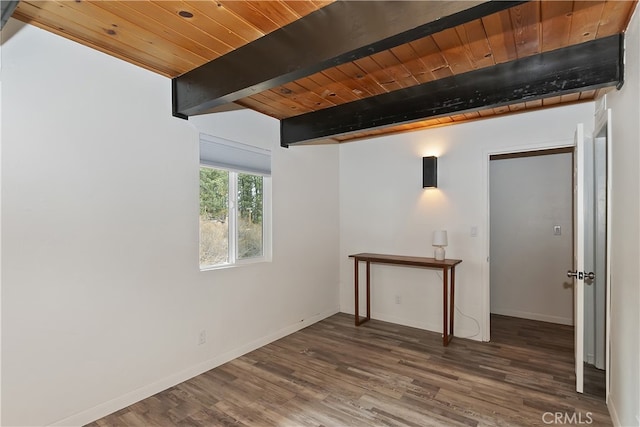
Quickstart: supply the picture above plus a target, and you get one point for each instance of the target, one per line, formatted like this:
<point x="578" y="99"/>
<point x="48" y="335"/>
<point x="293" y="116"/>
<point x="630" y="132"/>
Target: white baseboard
<point x="615" y="419"/>
<point x="613" y="413"/>
<point x="534" y="316"/>
<point x="134" y="396"/>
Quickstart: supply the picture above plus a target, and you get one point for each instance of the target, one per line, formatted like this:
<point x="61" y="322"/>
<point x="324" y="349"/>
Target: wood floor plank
<point x="381" y="374"/>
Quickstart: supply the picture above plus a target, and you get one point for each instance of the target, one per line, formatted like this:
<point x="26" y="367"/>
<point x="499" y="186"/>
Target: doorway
<point x="531" y="226"/>
<point x="531" y="235"/>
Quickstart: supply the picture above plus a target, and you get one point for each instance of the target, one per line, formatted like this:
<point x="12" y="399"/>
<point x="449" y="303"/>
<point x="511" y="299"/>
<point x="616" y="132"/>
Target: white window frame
<point x="212" y="144"/>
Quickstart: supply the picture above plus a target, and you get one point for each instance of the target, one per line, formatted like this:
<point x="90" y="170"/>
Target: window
<point x="234" y="203"/>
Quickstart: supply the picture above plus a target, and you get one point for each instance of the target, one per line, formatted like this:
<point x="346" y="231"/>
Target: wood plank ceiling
<point x="174" y="37"/>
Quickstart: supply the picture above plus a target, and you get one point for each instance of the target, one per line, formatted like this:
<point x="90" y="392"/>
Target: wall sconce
<point x="430" y="172"/>
<point x="439" y="242"/>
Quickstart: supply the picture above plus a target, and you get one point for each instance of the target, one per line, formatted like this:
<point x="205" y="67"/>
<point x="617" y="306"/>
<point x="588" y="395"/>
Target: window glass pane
<point x="214" y="217"/>
<point x="249" y="216"/>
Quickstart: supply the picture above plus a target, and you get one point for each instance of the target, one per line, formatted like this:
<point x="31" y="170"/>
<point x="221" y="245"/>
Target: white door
<point x="578" y="273"/>
<point x="578" y="255"/>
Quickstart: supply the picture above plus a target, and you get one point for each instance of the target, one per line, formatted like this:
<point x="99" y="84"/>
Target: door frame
<point x="602" y="129"/>
<point x="486" y="273"/>
<point x="602" y="122"/>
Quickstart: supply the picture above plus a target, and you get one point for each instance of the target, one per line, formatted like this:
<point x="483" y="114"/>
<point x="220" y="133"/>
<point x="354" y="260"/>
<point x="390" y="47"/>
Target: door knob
<point x="574" y="274"/>
<point x="581" y="275"/>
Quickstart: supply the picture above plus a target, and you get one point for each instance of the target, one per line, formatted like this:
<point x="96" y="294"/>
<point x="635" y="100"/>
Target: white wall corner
<point x="141" y="393"/>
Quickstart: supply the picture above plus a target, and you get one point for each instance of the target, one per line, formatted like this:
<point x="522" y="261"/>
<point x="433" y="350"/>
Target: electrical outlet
<point x="202" y="337"/>
<point x="397" y="299"/>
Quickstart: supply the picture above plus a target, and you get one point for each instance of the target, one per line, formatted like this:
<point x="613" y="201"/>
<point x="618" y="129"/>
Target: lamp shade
<point x="440" y="238"/>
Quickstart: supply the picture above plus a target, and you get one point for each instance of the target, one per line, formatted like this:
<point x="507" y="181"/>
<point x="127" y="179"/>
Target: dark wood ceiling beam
<point x="590" y="65"/>
<point x="340" y="32"/>
<point x="7" y="7"/>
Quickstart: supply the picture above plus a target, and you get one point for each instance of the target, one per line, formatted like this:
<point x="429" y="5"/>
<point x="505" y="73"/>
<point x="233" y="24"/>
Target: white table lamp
<point x="439" y="241"/>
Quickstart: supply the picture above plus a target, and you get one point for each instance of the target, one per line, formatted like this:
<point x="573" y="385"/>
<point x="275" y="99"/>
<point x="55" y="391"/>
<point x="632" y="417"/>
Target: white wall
<point x="528" y="197"/>
<point x="383" y="208"/>
<point x="624" y="401"/>
<point x="102" y="298"/>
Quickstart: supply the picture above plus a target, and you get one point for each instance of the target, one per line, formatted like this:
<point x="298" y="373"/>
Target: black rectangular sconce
<point x="430" y="172"/>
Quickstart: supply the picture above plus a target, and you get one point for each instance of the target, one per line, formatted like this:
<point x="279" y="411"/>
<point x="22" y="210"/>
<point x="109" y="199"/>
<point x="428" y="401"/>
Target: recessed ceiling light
<point x="185" y="14"/>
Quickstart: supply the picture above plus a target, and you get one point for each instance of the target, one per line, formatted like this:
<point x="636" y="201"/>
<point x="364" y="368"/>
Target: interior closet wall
<point x="530" y="197"/>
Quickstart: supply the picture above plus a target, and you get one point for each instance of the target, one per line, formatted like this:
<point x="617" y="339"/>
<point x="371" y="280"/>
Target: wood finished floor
<point x="382" y="374"/>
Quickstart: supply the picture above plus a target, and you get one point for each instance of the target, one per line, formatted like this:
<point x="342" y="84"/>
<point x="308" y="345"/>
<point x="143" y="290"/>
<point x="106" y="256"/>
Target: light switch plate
<point x="557" y="230"/>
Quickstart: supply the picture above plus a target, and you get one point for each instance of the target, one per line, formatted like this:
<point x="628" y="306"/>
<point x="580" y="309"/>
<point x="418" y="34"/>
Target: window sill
<point x="242" y="263"/>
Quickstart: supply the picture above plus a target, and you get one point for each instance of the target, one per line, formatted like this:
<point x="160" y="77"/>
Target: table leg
<point x="355" y="263"/>
<point x="445" y="307"/>
<point x="368" y="290"/>
<point x="452" y="308"/>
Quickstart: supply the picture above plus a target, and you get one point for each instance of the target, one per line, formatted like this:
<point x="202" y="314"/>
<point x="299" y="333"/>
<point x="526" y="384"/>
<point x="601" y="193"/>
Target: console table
<point x="448" y="286"/>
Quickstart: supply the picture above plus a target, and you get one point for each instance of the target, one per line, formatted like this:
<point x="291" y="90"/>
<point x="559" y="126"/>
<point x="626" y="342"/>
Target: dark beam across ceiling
<point x="340" y="32"/>
<point x="587" y="66"/>
<point x="6" y="8"/>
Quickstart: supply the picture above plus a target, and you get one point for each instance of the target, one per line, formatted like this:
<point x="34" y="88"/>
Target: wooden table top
<point x="406" y="260"/>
